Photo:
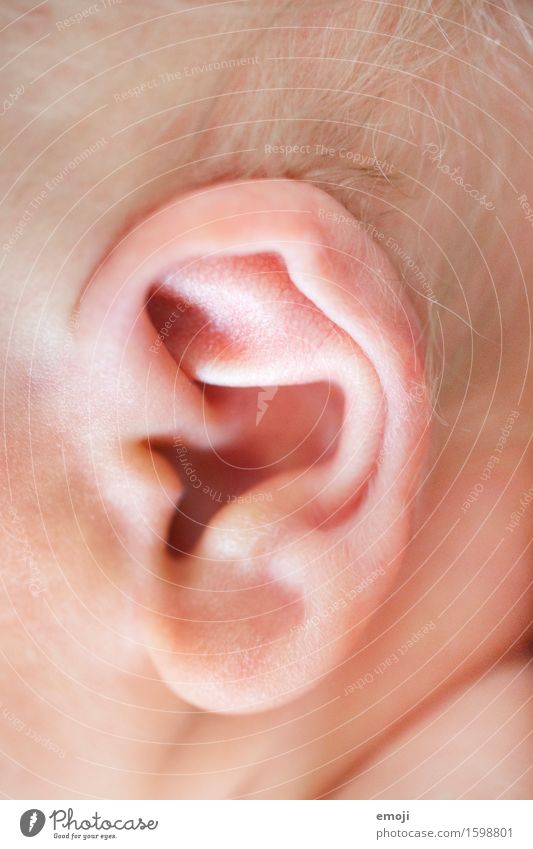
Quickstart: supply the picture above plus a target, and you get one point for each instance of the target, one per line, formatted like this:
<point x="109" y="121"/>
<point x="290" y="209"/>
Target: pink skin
<point x="111" y="644"/>
<point x="247" y="610"/>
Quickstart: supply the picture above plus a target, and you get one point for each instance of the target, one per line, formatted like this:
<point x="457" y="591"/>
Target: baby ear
<point x="279" y="369"/>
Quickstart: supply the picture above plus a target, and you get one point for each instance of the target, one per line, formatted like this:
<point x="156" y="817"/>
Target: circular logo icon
<point x="32" y="822"/>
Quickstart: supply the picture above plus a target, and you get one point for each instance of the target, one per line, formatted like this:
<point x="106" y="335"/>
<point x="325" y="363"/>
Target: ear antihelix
<point x="280" y="288"/>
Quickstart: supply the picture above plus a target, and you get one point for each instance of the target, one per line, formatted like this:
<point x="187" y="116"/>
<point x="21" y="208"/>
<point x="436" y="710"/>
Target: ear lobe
<point x="278" y="287"/>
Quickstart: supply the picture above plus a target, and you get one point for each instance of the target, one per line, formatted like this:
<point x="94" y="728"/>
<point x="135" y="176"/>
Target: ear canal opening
<point x="283" y="431"/>
<point x="237" y="327"/>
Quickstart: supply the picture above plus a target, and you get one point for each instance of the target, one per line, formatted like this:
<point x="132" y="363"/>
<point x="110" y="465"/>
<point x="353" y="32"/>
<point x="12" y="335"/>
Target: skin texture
<point x="250" y="589"/>
<point x="426" y="692"/>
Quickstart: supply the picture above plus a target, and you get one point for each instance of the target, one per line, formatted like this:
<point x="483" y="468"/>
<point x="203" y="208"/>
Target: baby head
<point x="265" y="320"/>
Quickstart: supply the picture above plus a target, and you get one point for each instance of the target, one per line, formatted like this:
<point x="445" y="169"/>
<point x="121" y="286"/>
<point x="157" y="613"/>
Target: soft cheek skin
<point x="72" y="522"/>
<point x="67" y="627"/>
